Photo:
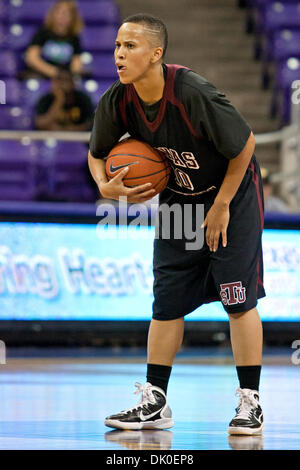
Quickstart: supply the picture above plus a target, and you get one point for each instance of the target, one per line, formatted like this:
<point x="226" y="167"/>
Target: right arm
<point x="108" y="128"/>
<point x="97" y="169"/>
<point x="115" y="188"/>
<point x="34" y="60"/>
<point x="46" y="118"/>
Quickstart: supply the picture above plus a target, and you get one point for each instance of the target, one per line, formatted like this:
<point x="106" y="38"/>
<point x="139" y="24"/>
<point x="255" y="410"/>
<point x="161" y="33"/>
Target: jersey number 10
<point x="182" y="179"/>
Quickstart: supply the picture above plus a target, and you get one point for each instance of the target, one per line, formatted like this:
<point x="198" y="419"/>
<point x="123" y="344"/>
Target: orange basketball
<point x="146" y="164"/>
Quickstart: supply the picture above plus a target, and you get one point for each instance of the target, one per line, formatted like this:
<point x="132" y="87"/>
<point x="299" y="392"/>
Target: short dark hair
<point x="155" y="24"/>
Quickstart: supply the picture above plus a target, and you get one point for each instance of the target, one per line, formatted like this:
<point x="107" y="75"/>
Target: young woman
<point x="207" y="140"/>
<point x="57" y="43"/>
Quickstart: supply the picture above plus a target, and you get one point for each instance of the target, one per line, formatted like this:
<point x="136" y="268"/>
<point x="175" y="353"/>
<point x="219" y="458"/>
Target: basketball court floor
<point x="60" y="402"/>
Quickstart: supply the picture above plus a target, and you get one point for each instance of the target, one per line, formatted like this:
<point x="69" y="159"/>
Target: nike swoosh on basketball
<point x="113" y="168"/>
<point x="145" y="418"/>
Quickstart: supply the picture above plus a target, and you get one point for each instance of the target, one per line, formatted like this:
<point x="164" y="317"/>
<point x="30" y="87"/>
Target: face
<point x="134" y="54"/>
<point x="62" y="18"/>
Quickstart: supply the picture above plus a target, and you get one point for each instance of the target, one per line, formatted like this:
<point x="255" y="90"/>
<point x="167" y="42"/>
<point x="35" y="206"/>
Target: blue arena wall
<point x="70" y="271"/>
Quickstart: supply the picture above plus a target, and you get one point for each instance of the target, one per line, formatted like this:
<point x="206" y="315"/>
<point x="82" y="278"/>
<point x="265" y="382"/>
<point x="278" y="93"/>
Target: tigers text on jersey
<point x="194" y="125"/>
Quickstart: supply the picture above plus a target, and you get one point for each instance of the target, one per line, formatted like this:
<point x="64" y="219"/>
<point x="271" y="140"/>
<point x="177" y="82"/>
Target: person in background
<point x="64" y="108"/>
<point x="57" y="43"/>
<point x="272" y="203"/>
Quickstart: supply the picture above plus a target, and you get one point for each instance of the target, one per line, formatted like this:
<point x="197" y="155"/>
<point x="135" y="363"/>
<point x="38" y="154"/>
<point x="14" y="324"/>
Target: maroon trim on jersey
<point x="259" y="199"/>
<point x="131" y="95"/>
<point x="261" y="213"/>
<point x="122" y="106"/>
<point x="170" y="96"/>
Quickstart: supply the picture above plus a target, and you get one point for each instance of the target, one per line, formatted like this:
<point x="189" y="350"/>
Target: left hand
<point x="216" y="223"/>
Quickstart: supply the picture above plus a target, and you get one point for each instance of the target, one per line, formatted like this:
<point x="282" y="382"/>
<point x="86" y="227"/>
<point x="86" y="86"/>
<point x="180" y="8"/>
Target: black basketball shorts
<point x="184" y="280"/>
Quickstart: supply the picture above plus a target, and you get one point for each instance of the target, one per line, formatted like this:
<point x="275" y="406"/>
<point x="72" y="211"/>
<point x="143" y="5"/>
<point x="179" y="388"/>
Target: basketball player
<point x="211" y="150"/>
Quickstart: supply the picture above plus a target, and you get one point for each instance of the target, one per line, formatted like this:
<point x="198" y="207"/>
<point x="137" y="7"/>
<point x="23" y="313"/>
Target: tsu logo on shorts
<point x="233" y="293"/>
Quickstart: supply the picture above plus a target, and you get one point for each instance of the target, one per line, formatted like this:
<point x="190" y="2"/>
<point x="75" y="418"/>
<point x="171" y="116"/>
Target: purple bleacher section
<point x="9" y="63"/>
<point x="34" y="11"/>
<point x="65" y="169"/>
<point x="51" y="170"/>
<point x="14" y="118"/>
<point x="99" y="38"/>
<point x="18" y="171"/>
<point x="276" y="28"/>
<point x="60" y="171"/>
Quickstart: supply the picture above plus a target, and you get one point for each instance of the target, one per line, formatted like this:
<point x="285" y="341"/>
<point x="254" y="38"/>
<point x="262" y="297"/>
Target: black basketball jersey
<point x="194" y="125"/>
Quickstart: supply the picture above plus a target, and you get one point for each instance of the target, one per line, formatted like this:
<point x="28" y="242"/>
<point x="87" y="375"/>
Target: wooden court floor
<point x="60" y="403"/>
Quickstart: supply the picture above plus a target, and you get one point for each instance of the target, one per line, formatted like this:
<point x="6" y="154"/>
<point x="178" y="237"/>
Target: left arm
<point x="76" y="64"/>
<point x="217" y="218"/>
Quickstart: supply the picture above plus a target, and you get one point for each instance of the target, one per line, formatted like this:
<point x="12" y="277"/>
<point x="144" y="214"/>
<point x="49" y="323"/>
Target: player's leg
<point x="237" y="271"/>
<point x="239" y="298"/>
<point x="246" y="335"/>
<point x="177" y="289"/>
<point x="164" y="340"/>
<point x="153" y="412"/>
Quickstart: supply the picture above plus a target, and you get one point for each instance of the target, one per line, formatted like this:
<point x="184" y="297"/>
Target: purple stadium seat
<point x="34" y="11"/>
<point x="25" y="11"/>
<point x="67" y="152"/>
<point x="13" y="92"/>
<point x="261" y="4"/>
<point x="18" y="171"/>
<point x="9" y="63"/>
<point x="265" y="16"/>
<point x="104" y="11"/>
<point x="280" y="16"/>
<point x="3" y="34"/>
<point x="15" y="118"/>
<point x="3" y="9"/>
<point x="286" y="73"/>
<point x="284" y="44"/>
<point x="264" y="7"/>
<point x="254" y="13"/>
<point x="100" y="66"/>
<point x="99" y="38"/>
<point x="95" y="89"/>
<point x="67" y="173"/>
<point x="19" y="36"/>
<point x="277" y="17"/>
<point x="33" y="90"/>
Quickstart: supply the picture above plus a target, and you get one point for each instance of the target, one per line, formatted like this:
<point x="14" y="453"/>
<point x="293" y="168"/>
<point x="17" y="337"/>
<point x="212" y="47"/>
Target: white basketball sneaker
<point x="249" y="417"/>
<point x="151" y="412"/>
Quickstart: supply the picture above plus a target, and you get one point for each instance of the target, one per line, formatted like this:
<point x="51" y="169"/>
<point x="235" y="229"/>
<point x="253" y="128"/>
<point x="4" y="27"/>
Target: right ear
<point x="157" y="54"/>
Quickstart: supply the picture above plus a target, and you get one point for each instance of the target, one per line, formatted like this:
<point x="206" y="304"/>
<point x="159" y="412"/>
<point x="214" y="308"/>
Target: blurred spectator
<point x="64" y="108"/>
<point x="272" y="203"/>
<point x="57" y="43"/>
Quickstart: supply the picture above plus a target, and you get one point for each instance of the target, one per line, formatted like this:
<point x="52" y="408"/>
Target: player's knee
<point x="236" y="316"/>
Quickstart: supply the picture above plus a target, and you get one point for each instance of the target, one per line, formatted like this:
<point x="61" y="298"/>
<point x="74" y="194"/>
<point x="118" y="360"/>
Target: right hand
<point x="115" y="188"/>
<point x="52" y="71"/>
<point x="59" y="95"/>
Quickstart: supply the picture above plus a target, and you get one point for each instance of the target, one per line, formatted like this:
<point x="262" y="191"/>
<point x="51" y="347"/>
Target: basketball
<point x="146" y="164"/>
